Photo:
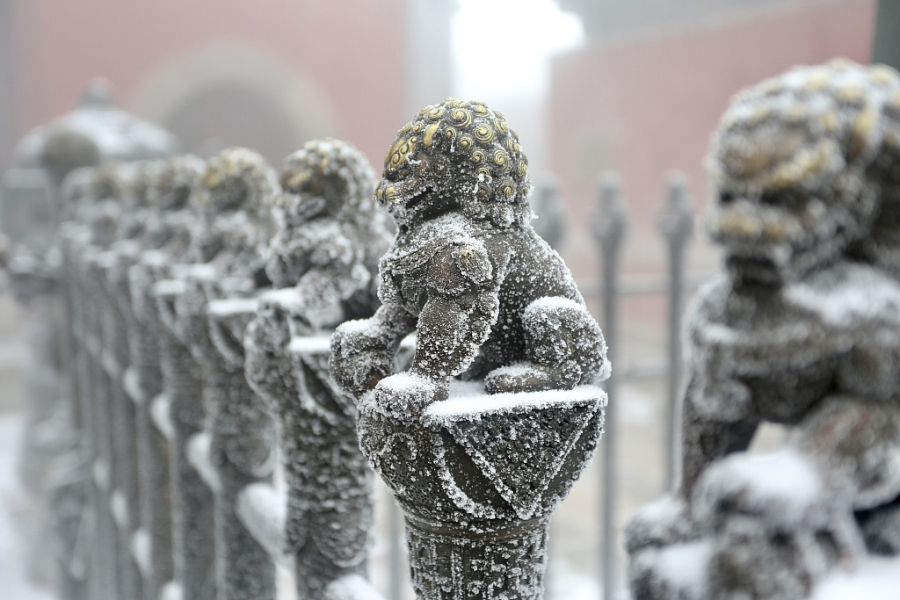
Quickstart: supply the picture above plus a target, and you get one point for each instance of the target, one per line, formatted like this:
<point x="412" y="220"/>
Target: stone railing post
<point x="241" y="442"/>
<point x="104" y="571"/>
<point x="144" y="383"/>
<point x="478" y="477"/>
<point x="236" y="448"/>
<point x="329" y="511"/>
<point x="124" y="498"/>
<point x="179" y="414"/>
<point x="166" y="222"/>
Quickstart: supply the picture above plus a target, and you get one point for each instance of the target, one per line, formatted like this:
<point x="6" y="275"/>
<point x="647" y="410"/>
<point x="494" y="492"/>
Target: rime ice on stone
<point x="161" y="193"/>
<point x="467" y="271"/>
<point x="492" y="303"/>
<point x="804" y="330"/>
<point x="323" y="256"/>
<point x="234" y="203"/>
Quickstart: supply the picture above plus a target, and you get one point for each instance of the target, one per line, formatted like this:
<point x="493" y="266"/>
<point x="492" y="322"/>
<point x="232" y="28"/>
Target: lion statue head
<point x="326" y="178"/>
<point x="798" y="166"/>
<point x="457" y="156"/>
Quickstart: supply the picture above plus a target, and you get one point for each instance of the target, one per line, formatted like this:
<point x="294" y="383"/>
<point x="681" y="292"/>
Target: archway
<point x="227" y="94"/>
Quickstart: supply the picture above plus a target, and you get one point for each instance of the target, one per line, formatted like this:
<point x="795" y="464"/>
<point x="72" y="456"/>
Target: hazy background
<point x="634" y="86"/>
<point x="590" y="85"/>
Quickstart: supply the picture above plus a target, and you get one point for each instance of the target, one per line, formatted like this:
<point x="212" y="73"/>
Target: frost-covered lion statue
<point x="487" y="297"/>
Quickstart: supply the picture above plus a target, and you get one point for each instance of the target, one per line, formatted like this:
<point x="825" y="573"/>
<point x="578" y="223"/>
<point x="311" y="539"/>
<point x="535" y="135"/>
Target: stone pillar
<point x="477" y="477"/>
<point x="179" y="411"/>
<point x="124" y="499"/>
<point x="241" y="433"/>
<point x="329" y="511"/>
<point x="144" y="383"/>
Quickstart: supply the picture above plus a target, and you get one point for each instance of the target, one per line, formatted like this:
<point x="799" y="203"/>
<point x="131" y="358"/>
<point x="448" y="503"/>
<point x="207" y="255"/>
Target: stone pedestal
<point x="477" y="477"/>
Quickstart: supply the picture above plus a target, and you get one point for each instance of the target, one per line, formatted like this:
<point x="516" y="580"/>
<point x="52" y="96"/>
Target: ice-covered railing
<point x="197" y="322"/>
<point x="141" y="301"/>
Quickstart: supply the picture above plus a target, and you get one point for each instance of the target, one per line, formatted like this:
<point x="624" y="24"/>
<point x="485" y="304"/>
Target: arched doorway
<point x="225" y="94"/>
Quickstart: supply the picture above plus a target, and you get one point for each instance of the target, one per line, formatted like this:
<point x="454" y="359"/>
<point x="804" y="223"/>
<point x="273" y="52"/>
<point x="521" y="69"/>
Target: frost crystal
<point x="477" y="467"/>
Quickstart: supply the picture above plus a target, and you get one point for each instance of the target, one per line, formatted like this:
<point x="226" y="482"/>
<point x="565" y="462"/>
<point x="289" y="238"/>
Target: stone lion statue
<point x="330" y="231"/>
<point x="804" y="167"/>
<point x="803" y="330"/>
<point x="488" y="298"/>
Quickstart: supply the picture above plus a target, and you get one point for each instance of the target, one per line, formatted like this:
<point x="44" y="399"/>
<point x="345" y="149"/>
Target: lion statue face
<point x="238" y="179"/>
<point x="791" y="164"/>
<point x="456" y="156"/>
<point x="326" y="178"/>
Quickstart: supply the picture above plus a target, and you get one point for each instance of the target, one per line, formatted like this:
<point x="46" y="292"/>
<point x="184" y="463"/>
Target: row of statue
<point x="196" y="300"/>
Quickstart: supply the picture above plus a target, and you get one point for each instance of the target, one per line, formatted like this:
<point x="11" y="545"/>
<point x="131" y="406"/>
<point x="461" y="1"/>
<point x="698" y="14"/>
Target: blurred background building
<point x="634" y="86"/>
<point x="647" y="87"/>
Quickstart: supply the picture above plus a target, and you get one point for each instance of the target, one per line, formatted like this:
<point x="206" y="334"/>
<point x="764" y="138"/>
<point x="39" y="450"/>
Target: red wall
<point x="353" y="50"/>
<point x="660" y="98"/>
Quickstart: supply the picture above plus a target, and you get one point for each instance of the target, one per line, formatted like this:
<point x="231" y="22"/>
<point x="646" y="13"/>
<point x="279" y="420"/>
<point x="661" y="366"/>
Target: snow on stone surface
<point x="310" y="344"/>
<point x="232" y="306"/>
<point x="862" y="293"/>
<point x="198" y="454"/>
<point x="662" y="522"/>
<point x="118" y="506"/>
<point x="169" y="287"/>
<point x="100" y="473"/>
<point x="172" y="591"/>
<point x="685" y="567"/>
<point x="140" y="550"/>
<point x="874" y="579"/>
<point x="784" y="478"/>
<point x="262" y="508"/>
<point x="132" y="386"/>
<point x="203" y="271"/>
<point x="351" y="587"/>
<point x="468" y="400"/>
<point x="288" y="298"/>
<point x="161" y="416"/>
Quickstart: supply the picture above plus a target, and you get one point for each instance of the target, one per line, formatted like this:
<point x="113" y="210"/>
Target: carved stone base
<point x="478" y="476"/>
<point x="470" y="561"/>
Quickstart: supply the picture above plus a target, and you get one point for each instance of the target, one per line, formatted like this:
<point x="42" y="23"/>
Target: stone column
<point x="124" y="498"/>
<point x="329" y="511"/>
<point x="477" y="477"/>
<point x="241" y="434"/>
<point x="179" y="412"/>
<point x="144" y="383"/>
